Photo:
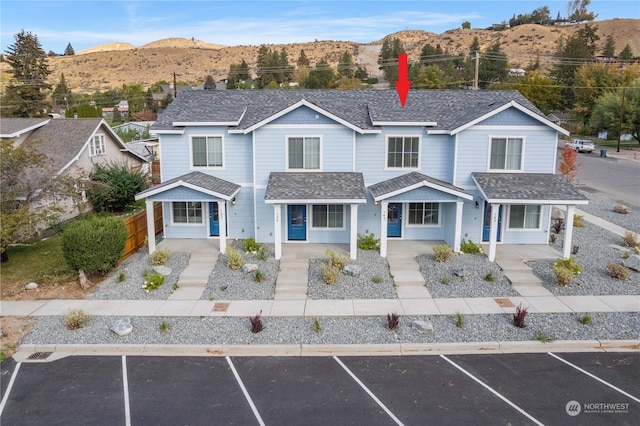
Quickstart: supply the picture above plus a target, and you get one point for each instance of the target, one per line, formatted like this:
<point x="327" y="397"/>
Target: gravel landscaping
<point x="602" y="207"/>
<point x="358" y="330"/>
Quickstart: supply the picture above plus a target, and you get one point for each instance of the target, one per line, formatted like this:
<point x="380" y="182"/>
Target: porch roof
<point x="410" y="181"/>
<point x="197" y="181"/>
<point x="527" y="188"/>
<point x="323" y="187"/>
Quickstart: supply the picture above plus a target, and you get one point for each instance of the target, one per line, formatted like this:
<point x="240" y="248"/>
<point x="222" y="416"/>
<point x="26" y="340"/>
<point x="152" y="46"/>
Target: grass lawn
<point x="614" y="144"/>
<point x="41" y="262"/>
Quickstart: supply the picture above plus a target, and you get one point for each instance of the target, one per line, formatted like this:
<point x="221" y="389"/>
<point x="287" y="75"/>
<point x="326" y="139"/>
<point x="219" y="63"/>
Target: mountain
<point x="114" y="64"/>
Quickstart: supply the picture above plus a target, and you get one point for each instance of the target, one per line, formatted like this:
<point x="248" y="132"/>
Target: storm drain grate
<point x="39" y="356"/>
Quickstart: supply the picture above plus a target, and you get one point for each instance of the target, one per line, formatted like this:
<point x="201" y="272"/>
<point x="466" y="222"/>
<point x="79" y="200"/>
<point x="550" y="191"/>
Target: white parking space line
<point x="354" y="377"/>
<point x="6" y="394"/>
<point x="245" y="392"/>
<point x="628" y="395"/>
<point x="125" y="385"/>
<point x="490" y="389"/>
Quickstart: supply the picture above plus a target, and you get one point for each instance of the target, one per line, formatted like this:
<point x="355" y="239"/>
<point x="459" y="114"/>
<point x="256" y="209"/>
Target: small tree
<point x="209" y="83"/>
<point x="69" y="50"/>
<point x="568" y="166"/>
<point x="466" y="25"/>
<point x="113" y="186"/>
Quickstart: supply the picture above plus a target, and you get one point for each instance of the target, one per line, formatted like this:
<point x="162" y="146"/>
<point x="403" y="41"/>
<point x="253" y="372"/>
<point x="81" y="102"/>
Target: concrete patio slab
<point x="419" y="307"/>
<point x="585" y="304"/>
<point x="402" y="275"/>
<point x="374" y="307"/>
<point x="531" y="290"/>
<point x="453" y="306"/>
<point x="187" y="293"/>
<point x="413" y="292"/>
<point x="328" y="308"/>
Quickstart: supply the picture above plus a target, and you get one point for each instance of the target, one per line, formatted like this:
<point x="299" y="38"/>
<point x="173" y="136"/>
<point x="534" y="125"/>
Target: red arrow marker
<point x="403" y="83"/>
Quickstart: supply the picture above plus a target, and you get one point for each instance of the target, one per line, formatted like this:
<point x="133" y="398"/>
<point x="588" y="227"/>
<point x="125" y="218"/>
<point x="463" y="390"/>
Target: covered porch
<point x="197" y="205"/>
<point x="527" y="193"/>
<point x="428" y="203"/>
<point x="332" y="198"/>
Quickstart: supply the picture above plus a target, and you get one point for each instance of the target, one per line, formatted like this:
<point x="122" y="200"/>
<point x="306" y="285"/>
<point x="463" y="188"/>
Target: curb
<point x="397" y="349"/>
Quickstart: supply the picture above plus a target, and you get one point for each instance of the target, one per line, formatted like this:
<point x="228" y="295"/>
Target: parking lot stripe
<point x="628" y="395"/>
<point x="490" y="389"/>
<point x="362" y="385"/>
<point x="6" y="394"/>
<point x="125" y="385"/>
<point x="245" y="392"/>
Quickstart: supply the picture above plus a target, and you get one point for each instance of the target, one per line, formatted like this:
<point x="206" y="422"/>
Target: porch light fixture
<point x="233" y="201"/>
<point x="375" y="202"/>
<point x="477" y="205"/>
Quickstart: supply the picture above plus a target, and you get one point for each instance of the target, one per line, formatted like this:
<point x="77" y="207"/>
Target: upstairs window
<point x="206" y="151"/>
<point x="506" y="154"/>
<point x="97" y="146"/>
<point x="403" y="152"/>
<point x="304" y="153"/>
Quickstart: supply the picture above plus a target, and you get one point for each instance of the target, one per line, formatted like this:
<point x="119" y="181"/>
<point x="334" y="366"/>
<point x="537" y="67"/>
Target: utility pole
<point x="175" y="86"/>
<point x="475" y="79"/>
<point x="620" y="121"/>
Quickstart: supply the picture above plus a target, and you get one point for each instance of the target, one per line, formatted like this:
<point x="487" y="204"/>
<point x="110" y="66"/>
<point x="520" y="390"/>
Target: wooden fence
<point x="137" y="230"/>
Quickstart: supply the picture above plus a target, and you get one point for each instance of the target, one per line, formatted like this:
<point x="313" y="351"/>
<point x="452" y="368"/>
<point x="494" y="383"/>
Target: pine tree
<point x="388" y="58"/>
<point x="26" y="92"/>
<point x="626" y="54"/>
<point x="303" y="61"/>
<point x="61" y="93"/>
<point x="69" y="50"/>
<point x="345" y="66"/>
<point x="609" y="48"/>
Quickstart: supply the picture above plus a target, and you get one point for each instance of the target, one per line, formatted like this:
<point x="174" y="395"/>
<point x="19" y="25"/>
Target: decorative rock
<point x="422" y="326"/>
<point x="162" y="270"/>
<point x="621" y="208"/>
<point x="31" y="286"/>
<point x="122" y="327"/>
<point x="249" y="267"/>
<point x="632" y="262"/>
<point x="461" y="273"/>
<point x="352" y="270"/>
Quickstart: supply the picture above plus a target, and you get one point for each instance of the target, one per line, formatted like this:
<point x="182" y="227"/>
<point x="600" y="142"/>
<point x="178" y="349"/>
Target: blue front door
<point x="214" y="220"/>
<point x="486" y="230"/>
<point x="394" y="220"/>
<point x="297" y="226"/>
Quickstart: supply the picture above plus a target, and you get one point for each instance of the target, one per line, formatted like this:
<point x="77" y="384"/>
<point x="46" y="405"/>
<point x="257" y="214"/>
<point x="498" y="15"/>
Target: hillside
<point x="114" y="64"/>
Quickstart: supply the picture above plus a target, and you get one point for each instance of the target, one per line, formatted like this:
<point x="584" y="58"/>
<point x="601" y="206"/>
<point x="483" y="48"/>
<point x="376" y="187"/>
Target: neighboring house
<point x="74" y="146"/>
<point x="322" y="166"/>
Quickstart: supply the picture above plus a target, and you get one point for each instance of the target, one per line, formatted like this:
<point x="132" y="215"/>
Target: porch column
<point x="353" y="237"/>
<point x="457" y="236"/>
<point x="384" y="208"/>
<point x="151" y="227"/>
<point x="277" y="230"/>
<point x="222" y="218"/>
<point x="493" y="231"/>
<point x="568" y="231"/>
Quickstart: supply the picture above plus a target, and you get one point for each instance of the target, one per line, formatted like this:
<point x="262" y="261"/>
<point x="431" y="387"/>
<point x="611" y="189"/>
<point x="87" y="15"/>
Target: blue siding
<point x="181" y="194"/>
<point x="303" y="115"/>
<point x="511" y="117"/>
<point x="423" y="194"/>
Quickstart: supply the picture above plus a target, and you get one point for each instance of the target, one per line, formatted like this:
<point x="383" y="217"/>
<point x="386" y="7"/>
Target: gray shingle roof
<point x="315" y="186"/>
<point x="201" y="180"/>
<point x="401" y="182"/>
<point x="12" y="127"/>
<point x="448" y="108"/>
<point x="527" y="187"/>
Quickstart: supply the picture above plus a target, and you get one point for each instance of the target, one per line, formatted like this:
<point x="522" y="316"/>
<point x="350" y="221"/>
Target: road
<point x="544" y="388"/>
<point x="614" y="178"/>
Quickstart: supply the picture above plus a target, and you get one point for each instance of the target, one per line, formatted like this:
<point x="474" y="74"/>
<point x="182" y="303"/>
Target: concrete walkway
<point x="193" y="280"/>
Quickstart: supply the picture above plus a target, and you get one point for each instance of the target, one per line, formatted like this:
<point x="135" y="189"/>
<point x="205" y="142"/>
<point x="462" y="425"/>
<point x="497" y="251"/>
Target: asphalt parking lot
<point x="543" y="388"/>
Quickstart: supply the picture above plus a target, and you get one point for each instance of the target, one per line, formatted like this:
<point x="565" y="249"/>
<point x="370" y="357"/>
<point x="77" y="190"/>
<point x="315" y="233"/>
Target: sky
<point x="86" y="24"/>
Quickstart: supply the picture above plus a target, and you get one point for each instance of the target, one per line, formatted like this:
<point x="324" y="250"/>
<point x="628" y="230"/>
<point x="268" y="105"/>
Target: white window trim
<point x="522" y="156"/>
<point x="92" y="145"/>
<point x="328" y="228"/>
<point x="286" y="153"/>
<point x="174" y="223"/>
<point x="224" y="160"/>
<point x="386" y="152"/>
<point x="508" y="219"/>
<point x="422" y="225"/>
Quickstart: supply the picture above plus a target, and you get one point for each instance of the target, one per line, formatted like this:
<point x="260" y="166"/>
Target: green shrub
<point x="630" y="239"/>
<point x="578" y="221"/>
<point x="490" y="277"/>
<point x="585" y="319"/>
<point x="377" y="279"/>
<point x="77" y="318"/>
<point x="563" y="275"/>
<point x="113" y="186"/>
<point x="443" y="252"/>
<point x="152" y="281"/>
<point x="160" y="257"/>
<point x="234" y="258"/>
<point x="570" y="264"/>
<point x="259" y="276"/>
<point x="368" y="242"/>
<point x="94" y="244"/>
<point x="330" y="273"/>
<point x="470" y="247"/>
<point x="250" y="246"/>
<point x="618" y="271"/>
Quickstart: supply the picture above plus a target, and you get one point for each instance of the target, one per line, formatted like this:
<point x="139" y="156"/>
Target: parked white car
<point x="581" y="145"/>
